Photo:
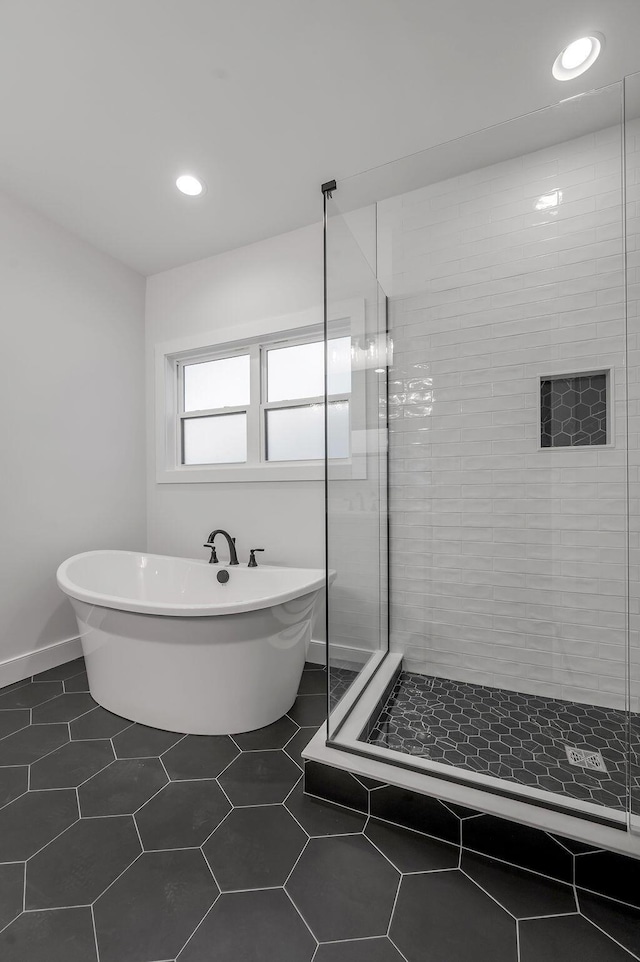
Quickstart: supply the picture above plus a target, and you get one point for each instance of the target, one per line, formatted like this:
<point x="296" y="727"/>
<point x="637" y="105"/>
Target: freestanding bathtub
<point x="167" y="645"/>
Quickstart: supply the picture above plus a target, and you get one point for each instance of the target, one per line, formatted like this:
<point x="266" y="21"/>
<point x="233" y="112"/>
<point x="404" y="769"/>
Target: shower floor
<point x="521" y="738"/>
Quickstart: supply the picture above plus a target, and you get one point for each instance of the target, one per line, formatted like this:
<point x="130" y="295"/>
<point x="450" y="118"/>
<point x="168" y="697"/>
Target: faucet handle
<point x="252" y="557"/>
<point x="213" y="560"/>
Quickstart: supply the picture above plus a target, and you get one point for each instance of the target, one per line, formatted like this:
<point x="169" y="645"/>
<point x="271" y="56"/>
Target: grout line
<point x="609" y="936"/>
<point x="95" y="932"/>
<point x="492" y="897"/>
<point x="201" y="920"/>
<point x="302" y="916"/>
<point x="395" y="902"/>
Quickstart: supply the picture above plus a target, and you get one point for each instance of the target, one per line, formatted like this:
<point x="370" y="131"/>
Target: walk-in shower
<point x="483" y="623"/>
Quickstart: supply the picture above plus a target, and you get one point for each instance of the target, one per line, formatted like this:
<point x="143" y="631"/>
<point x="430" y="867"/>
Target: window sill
<point x="235" y="473"/>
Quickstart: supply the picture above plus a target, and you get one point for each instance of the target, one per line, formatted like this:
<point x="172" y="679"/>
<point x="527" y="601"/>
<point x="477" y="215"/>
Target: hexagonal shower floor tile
<point x="521" y="738"/>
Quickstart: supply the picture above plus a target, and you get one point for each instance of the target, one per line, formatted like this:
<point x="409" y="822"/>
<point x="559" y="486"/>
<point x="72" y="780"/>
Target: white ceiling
<point x="104" y="102"/>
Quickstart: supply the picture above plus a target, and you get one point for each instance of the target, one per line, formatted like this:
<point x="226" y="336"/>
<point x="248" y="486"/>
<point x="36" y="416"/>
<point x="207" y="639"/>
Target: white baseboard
<point x="317" y="653"/>
<point x="33" y="662"/>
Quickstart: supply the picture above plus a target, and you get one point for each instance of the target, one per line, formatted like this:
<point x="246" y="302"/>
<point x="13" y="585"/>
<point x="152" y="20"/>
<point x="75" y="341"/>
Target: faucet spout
<point x="233" y="557"/>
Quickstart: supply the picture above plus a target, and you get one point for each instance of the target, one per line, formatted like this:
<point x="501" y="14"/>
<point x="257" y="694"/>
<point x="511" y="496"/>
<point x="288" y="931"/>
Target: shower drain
<point x="586" y="758"/>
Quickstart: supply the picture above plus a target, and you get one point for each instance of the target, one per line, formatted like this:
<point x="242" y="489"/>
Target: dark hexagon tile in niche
<point x="30" y="744"/>
<point x="64" y="708"/>
<point x="122" y="788"/>
<point x="11" y="892"/>
<point x="259" y="778"/>
<point x="344" y="888"/>
<point x="308" y="710"/>
<point x="61" y="935"/>
<point x="523" y="894"/>
<point x="319" y="817"/>
<point x="139" y="741"/>
<point x="419" y="812"/>
<point x="410" y="851"/>
<point x="199" y="756"/>
<point x="361" y="950"/>
<point x="443" y="915"/>
<point x="258" y="926"/>
<point x="34" y="819"/>
<point x="254" y="848"/>
<point x="296" y="745"/>
<point x="13" y="721"/>
<point x="566" y="938"/>
<point x="13" y="783"/>
<point x="153" y="908"/>
<point x="31" y="695"/>
<point x="182" y="815"/>
<point x="621" y="922"/>
<point x="62" y="672"/>
<point x="72" y="764"/>
<point x="98" y="723"/>
<point x="77" y="866"/>
<point x="273" y="736"/>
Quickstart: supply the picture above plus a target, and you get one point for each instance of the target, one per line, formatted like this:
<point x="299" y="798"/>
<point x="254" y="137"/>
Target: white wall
<point x="72" y="423"/>
<point x="508" y="562"/>
<point x="278" y="276"/>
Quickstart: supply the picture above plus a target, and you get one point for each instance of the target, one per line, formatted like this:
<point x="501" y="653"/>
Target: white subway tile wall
<point x="508" y="561"/>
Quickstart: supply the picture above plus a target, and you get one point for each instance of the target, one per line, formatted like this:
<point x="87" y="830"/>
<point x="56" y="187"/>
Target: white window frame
<point x="346" y="318"/>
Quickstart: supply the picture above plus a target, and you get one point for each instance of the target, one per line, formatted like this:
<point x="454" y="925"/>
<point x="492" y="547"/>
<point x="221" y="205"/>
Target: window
<point x="254" y="408"/>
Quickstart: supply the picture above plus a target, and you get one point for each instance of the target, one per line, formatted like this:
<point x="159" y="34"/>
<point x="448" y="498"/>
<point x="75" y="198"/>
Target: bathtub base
<point x="197" y="675"/>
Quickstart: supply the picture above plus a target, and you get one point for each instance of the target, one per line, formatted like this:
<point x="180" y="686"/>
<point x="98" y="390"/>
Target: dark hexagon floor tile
<point x="62" y="935"/>
<point x="313" y="683"/>
<point x="610" y="874"/>
<point x="621" y="922"/>
<point x="153" y="908"/>
<point x="11" y="892"/>
<point x="77" y="866"/>
<point x="122" y="788"/>
<point x="309" y="710"/>
<point x="336" y="785"/>
<point x="34" y="819"/>
<point x="319" y="817"/>
<point x="416" y="811"/>
<point x="62" y="672"/>
<point x="13" y="721"/>
<point x="77" y="683"/>
<point x="98" y="723"/>
<point x="523" y="894"/>
<point x="565" y="939"/>
<point x="273" y="736"/>
<point x="443" y="915"/>
<point x="344" y="888"/>
<point x="30" y="744"/>
<point x="253" y="926"/>
<point x="138" y="741"/>
<point x="296" y="745"/>
<point x="182" y="815"/>
<point x="254" y="848"/>
<point x="520" y="844"/>
<point x="410" y="851"/>
<point x="200" y="756"/>
<point x="30" y="695"/>
<point x="64" y="708"/>
<point x="14" y="782"/>
<point x="361" y="950"/>
<point x="259" y="778"/>
<point x="72" y="764"/>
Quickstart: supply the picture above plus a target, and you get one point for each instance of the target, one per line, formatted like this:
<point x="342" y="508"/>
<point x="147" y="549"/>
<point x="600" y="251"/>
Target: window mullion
<point x="253" y="412"/>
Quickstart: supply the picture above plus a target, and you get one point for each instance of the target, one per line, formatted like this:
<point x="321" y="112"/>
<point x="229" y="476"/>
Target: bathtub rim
<point x="173" y="609"/>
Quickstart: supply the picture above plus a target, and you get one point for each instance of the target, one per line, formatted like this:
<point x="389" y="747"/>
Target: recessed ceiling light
<point x="189" y="185"/>
<point x="577" y="57"/>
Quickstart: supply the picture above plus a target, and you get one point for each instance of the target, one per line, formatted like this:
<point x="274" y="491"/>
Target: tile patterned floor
<point x="120" y="843"/>
<point x="521" y="738"/>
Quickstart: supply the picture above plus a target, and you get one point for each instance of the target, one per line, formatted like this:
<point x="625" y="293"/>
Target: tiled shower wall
<point x="508" y="560"/>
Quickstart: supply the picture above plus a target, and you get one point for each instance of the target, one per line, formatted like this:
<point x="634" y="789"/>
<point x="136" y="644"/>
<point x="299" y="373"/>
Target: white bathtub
<point x="169" y="646"/>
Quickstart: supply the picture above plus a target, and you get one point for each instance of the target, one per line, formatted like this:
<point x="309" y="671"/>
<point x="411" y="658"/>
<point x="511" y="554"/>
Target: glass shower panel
<point x="502" y="257"/>
<point x="632" y="198"/>
<point x="356" y="487"/>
